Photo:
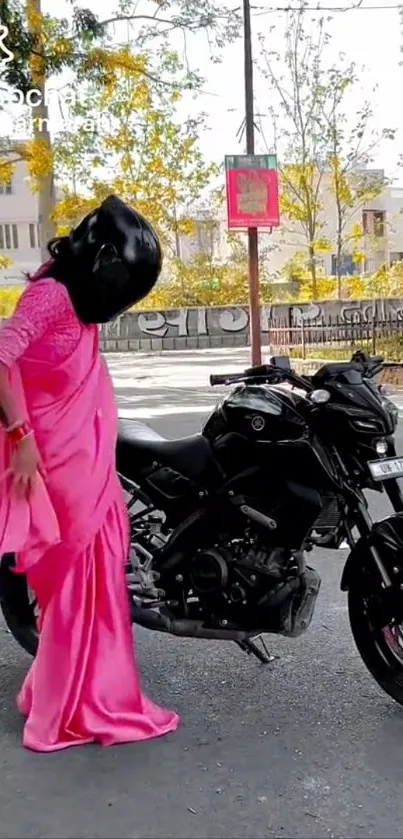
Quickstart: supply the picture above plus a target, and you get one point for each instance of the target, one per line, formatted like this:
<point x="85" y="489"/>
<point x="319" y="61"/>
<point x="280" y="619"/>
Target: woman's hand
<point x="25" y="464"/>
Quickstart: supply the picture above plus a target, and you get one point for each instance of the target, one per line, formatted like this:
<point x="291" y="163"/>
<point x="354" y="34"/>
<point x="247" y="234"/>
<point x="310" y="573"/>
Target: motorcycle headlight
<point x="381" y="448"/>
<point x="319" y="397"/>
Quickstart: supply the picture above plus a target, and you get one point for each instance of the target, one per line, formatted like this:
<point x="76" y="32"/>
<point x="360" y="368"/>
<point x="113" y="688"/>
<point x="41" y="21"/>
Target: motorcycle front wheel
<point x="380" y="649"/>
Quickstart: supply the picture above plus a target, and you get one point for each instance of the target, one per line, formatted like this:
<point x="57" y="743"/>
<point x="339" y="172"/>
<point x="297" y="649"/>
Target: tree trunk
<point x="40" y="126"/>
<point x="339" y="254"/>
<point x="46" y="195"/>
<point x="339" y="239"/>
<point x="312" y="268"/>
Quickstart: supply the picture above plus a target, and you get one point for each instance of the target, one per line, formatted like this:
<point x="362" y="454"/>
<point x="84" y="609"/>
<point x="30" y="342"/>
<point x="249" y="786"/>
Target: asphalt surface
<point x="307" y="747"/>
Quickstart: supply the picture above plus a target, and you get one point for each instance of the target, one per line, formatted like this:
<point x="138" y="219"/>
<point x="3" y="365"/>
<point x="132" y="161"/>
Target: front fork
<point x="392" y="487"/>
<point x="364" y="525"/>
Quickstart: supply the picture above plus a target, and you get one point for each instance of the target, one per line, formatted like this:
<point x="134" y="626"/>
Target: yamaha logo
<point x="258" y="423"/>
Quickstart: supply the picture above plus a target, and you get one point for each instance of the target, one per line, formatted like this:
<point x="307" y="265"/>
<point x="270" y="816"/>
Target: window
<point x="6" y="189"/>
<point x="8" y="237"/>
<point x="396" y="257"/>
<point x="34" y="236"/>
<point x="379" y="223"/>
<point x="32" y="241"/>
<point x="373" y="222"/>
<point x="348" y="266"/>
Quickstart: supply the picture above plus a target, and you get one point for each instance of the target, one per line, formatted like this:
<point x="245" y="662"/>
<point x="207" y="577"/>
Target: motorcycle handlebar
<point x="263" y="371"/>
<point x="370" y="366"/>
<point x="226" y="378"/>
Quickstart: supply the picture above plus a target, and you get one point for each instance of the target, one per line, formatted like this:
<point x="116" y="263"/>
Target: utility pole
<point x="253" y="246"/>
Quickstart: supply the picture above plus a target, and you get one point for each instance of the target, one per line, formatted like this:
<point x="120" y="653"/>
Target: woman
<point x="61" y="504"/>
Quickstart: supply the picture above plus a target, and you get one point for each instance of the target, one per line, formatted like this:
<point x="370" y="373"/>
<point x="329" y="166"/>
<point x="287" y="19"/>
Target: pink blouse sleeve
<point x="40" y="306"/>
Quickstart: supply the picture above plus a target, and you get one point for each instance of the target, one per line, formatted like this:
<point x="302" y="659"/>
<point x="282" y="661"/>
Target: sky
<point x="371" y="36"/>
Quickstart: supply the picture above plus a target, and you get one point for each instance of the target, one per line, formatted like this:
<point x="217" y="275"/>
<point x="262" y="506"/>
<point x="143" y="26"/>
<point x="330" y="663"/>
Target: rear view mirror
<point x="282" y="361"/>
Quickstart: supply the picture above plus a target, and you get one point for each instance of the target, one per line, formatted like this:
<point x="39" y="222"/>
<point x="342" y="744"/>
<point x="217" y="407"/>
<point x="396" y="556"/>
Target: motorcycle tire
<point x="380" y="649"/>
<point x="18" y="606"/>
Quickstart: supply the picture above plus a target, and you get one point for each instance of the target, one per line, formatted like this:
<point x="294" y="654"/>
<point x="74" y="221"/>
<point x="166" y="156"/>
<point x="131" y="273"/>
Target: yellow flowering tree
<point x="302" y="208"/>
<point x="134" y="143"/>
<point x="353" y="185"/>
<point x="297" y="99"/>
<point x="44" y="45"/>
<point x="40" y="48"/>
<point x="321" y="154"/>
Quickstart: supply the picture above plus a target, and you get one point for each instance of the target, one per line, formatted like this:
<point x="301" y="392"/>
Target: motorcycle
<point x="222" y="522"/>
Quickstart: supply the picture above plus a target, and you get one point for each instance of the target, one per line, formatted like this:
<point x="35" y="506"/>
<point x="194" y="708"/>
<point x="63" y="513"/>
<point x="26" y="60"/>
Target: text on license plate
<point x="391" y="467"/>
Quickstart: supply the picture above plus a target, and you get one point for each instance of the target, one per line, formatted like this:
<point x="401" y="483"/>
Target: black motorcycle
<point x="222" y="522"/>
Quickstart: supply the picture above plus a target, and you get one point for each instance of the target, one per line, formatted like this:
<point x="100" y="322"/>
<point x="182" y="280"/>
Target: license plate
<point x="391" y="467"/>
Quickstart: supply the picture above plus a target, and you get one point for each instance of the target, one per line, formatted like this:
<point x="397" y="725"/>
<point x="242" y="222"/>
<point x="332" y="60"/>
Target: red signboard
<point x="252" y="191"/>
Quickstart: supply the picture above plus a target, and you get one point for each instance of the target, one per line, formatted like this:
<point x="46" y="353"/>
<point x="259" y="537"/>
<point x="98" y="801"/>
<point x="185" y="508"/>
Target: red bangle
<point x="18" y="434"/>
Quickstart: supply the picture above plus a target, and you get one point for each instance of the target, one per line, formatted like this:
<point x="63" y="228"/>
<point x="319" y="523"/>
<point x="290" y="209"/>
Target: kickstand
<point x="250" y="647"/>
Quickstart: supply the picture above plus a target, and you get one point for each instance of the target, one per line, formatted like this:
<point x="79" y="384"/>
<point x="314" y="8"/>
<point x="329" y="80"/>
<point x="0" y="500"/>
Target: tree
<point x="209" y="280"/>
<point x="318" y="149"/>
<point x="353" y="186"/>
<point x="44" y="45"/>
<point x="127" y="139"/>
<point x="296" y="82"/>
<point x="41" y="47"/>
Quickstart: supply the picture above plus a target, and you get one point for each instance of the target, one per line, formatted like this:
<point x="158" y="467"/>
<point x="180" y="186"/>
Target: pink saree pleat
<point x="85" y="673"/>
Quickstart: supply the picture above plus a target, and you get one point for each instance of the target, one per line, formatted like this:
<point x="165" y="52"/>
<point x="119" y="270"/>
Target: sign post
<point x="253" y="204"/>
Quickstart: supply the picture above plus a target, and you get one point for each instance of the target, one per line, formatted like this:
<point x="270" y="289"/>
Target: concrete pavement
<point x="309" y="747"/>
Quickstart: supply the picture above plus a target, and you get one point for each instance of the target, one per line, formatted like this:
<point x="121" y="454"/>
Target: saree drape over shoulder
<point x="71" y="536"/>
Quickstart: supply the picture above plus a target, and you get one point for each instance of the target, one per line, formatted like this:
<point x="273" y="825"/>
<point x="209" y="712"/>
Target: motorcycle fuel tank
<point x="259" y="412"/>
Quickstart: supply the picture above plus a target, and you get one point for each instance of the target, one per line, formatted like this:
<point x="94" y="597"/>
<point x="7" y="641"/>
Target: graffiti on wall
<point x="211" y="321"/>
<point x="181" y="323"/>
<point x="351" y="311"/>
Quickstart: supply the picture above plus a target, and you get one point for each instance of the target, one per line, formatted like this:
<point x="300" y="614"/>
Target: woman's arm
<point x="26" y="460"/>
<point x="40" y="307"/>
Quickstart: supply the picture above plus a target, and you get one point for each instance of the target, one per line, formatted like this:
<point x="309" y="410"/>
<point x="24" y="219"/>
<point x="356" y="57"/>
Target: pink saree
<point x="71" y="537"/>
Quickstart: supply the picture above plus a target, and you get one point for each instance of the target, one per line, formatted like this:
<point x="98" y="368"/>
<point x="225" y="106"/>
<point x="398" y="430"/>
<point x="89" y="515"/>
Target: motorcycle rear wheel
<point x="17" y="601"/>
<point x="380" y="649"/>
<point x="18" y="606"/>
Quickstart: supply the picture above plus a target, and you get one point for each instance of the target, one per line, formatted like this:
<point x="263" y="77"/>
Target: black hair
<point x="59" y="249"/>
<point x="58" y="246"/>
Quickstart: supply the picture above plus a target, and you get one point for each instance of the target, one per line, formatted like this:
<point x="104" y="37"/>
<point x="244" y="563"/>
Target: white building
<point x="19" y="234"/>
<point x="381" y="219"/>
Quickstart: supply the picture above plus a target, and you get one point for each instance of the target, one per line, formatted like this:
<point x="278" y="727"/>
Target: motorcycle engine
<point x="245" y="581"/>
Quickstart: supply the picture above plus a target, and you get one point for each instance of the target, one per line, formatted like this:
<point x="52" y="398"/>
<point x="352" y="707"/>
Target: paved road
<point x="307" y="748"/>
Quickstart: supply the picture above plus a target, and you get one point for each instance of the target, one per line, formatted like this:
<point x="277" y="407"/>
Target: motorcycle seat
<point x="138" y="446"/>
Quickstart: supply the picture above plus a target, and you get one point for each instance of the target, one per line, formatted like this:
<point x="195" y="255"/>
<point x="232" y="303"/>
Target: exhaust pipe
<point x="184" y="628"/>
